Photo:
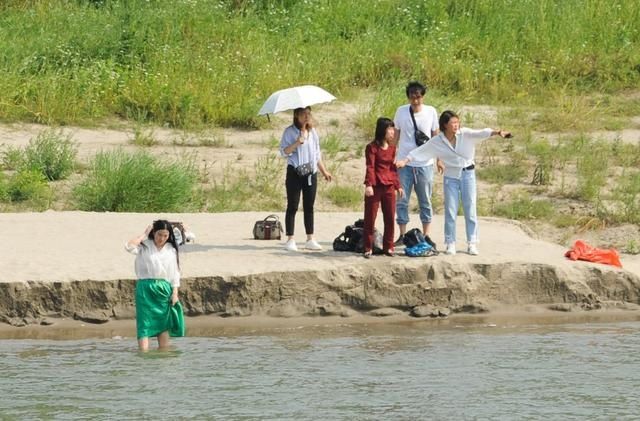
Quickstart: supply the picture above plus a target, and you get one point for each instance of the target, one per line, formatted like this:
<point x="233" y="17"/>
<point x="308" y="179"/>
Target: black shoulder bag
<point x="421" y="137"/>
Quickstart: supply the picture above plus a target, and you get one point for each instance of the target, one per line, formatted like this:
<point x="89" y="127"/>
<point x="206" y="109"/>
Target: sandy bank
<point x="72" y="264"/>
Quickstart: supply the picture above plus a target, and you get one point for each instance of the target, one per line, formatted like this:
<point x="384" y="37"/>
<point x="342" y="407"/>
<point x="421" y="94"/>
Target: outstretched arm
<point x="502" y="133"/>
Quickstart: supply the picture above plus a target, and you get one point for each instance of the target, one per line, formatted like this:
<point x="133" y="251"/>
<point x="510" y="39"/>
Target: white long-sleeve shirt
<point x="152" y="263"/>
<point x="455" y="159"/>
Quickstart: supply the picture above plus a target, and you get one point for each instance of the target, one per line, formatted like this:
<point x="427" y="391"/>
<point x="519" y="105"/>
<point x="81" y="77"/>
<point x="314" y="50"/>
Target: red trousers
<point x="385" y="195"/>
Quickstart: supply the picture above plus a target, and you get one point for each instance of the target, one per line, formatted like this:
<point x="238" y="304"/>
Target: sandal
<point x="389" y="253"/>
<point x="367" y="254"/>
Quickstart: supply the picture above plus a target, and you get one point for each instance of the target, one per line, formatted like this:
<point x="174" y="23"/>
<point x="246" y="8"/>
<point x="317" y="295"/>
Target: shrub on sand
<point x="52" y="153"/>
<point x="121" y="182"/>
<point x="523" y="207"/>
<point x="28" y="184"/>
<point x="4" y="192"/>
<point x="12" y="158"/>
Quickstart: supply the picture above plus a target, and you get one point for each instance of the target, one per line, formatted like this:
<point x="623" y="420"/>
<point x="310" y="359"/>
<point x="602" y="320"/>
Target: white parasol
<point x="297" y="97"/>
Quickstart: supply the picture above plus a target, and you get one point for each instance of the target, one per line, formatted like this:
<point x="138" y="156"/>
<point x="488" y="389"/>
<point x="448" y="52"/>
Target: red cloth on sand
<point x="583" y="251"/>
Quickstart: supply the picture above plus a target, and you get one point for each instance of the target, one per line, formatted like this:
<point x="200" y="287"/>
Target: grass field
<point x="189" y="63"/>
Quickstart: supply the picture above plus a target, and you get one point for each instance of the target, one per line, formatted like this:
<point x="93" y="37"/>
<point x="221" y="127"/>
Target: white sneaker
<point x="451" y="249"/>
<point x="312" y="245"/>
<point x="189" y="237"/>
<point x="291" y="245"/>
<point x="473" y="250"/>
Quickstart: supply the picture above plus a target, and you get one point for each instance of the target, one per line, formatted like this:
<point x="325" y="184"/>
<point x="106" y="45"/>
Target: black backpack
<point x="352" y="239"/>
<point x="414" y="237"/>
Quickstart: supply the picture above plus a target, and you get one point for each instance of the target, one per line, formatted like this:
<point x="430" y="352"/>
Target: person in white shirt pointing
<point x="456" y="147"/>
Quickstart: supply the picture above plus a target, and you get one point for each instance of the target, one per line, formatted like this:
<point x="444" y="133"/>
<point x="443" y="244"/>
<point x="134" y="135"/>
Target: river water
<point x="396" y="371"/>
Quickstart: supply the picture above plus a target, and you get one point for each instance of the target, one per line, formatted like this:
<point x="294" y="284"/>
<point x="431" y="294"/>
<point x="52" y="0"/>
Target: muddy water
<point x="474" y="370"/>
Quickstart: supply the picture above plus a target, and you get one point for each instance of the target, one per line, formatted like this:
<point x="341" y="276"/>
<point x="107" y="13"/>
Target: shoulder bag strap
<point x="415" y="126"/>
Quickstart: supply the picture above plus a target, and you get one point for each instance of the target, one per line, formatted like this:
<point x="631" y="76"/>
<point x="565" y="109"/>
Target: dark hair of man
<point x="445" y="117"/>
<point x="296" y="113"/>
<point x="382" y="125"/>
<point x="415" y="86"/>
<point x="163" y="224"/>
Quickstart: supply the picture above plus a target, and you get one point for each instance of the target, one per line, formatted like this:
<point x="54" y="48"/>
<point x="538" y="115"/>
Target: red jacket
<point x="380" y="166"/>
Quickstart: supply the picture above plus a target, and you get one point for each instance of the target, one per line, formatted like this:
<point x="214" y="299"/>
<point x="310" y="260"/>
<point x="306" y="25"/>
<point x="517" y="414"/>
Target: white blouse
<point x="152" y="263"/>
<point x="455" y="159"/>
<point x="308" y="152"/>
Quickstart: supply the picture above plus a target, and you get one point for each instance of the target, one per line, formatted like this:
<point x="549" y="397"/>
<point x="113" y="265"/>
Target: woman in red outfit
<point x="382" y="183"/>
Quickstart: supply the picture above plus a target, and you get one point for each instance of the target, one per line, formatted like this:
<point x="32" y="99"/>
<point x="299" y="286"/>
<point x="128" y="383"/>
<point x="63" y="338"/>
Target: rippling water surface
<point x="403" y="371"/>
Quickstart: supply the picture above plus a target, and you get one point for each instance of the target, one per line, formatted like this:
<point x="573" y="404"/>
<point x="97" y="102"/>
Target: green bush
<point x="28" y="184"/>
<point x="523" y="207"/>
<point x="4" y="188"/>
<point x="332" y="145"/>
<point x="592" y="165"/>
<point x="346" y="197"/>
<point x="12" y="158"/>
<point x="627" y="193"/>
<point x="52" y="153"/>
<point x="121" y="182"/>
<point x="142" y="137"/>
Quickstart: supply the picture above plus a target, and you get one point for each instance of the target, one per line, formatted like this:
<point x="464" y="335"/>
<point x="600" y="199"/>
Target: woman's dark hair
<point x="415" y="86"/>
<point x="296" y="113"/>
<point x="163" y="224"/>
<point x="445" y="117"/>
<point x="382" y="125"/>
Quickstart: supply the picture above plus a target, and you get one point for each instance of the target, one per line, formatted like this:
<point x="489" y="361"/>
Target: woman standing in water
<point x="157" y="266"/>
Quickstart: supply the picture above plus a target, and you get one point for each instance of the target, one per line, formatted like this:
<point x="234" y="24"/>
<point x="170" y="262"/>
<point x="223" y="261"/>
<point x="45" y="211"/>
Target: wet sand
<point x="533" y="317"/>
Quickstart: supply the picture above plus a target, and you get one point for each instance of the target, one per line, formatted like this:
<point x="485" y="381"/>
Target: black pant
<point x="296" y="184"/>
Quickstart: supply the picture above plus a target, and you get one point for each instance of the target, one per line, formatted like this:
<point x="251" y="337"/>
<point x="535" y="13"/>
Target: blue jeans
<point x="454" y="189"/>
<point x="422" y="179"/>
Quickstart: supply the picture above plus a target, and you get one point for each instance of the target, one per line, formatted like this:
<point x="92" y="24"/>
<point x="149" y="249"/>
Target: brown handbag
<point x="268" y="229"/>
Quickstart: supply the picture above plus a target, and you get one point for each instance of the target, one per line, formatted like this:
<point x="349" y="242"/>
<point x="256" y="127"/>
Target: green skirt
<point x="154" y="312"/>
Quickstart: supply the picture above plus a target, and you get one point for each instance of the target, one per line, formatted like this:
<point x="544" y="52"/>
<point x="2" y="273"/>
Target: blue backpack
<point x="421" y="249"/>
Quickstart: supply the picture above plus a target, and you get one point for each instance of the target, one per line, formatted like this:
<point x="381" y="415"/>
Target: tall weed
<point x="522" y="206"/>
<point x="52" y="153"/>
<point x="332" y="145"/>
<point x="627" y="193"/>
<point x="121" y="182"/>
<point x="4" y="188"/>
<point x="12" y="158"/>
<point x="348" y="197"/>
<point x="29" y="185"/>
<point x="592" y="165"/>
<point x="240" y="190"/>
